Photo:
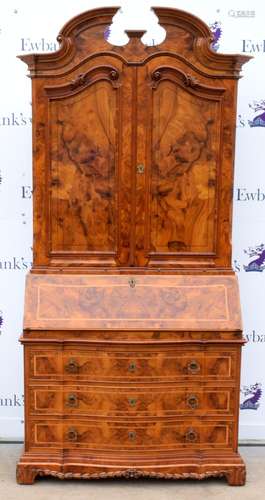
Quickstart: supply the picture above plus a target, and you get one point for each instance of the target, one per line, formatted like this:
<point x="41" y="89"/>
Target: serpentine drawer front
<point x="110" y="365"/>
<point x="132" y="327"/>
<point x="121" y="401"/>
<point x="163" y="435"/>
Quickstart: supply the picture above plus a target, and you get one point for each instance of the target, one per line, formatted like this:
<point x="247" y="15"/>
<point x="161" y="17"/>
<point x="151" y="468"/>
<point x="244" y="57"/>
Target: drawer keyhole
<point x="132" y="401"/>
<point x="132" y="435"/>
<point x="132" y="366"/>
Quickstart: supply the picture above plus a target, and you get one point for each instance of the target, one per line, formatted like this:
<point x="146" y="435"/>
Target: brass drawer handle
<point x="72" y="434"/>
<point x="72" y="366"/>
<point x="72" y="400"/>
<point x="132" y="367"/>
<point x="132" y="435"/>
<point x="193" y="366"/>
<point x="193" y="401"/>
<point x="191" y="436"/>
<point x="132" y="401"/>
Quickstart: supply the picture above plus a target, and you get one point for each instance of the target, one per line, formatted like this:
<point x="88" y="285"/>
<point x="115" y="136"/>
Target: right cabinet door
<point x="179" y="144"/>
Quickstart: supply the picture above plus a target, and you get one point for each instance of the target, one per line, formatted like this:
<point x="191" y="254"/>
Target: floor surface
<point x="54" y="489"/>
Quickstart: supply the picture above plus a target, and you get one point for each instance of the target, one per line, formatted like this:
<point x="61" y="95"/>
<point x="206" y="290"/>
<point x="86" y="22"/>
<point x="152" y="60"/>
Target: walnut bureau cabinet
<point x="132" y="328"/>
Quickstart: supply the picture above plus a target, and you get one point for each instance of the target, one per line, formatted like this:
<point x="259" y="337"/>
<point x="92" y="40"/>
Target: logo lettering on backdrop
<point x="12" y="400"/>
<point x="217" y="33"/>
<point x="41" y="45"/>
<point x="242" y="194"/>
<point x="252" y="402"/>
<point x="15" y="120"/>
<point x="15" y="264"/>
<point x="26" y="192"/>
<point x="241" y="13"/>
<point x="255" y="338"/>
<point x="253" y="46"/>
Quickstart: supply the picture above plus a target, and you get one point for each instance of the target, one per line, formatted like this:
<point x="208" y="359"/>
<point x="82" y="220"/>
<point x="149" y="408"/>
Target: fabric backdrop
<point x="28" y="26"/>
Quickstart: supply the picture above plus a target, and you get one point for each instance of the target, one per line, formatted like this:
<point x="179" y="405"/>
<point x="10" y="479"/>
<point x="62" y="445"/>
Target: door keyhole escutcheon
<point x="140" y="168"/>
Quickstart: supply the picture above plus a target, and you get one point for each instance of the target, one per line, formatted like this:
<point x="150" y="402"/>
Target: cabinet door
<point x="179" y="146"/>
<point x="86" y="225"/>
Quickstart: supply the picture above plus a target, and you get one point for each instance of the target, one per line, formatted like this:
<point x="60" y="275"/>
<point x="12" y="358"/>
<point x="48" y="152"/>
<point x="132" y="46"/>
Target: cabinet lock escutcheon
<point x="132" y="282"/>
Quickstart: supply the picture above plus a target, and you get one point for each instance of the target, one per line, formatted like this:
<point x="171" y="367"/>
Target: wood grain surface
<point x="143" y="302"/>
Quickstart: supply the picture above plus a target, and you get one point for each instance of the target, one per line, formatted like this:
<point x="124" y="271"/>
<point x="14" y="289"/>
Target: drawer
<point x="114" y="435"/>
<point x="99" y="365"/>
<point x="137" y="402"/>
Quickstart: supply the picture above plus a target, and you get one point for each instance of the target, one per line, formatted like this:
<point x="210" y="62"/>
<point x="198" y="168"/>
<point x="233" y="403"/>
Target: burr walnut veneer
<point x="132" y="328"/>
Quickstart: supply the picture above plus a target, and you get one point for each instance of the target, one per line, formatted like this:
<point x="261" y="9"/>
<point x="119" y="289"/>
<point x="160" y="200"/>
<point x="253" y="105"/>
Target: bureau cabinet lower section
<point x="148" y="409"/>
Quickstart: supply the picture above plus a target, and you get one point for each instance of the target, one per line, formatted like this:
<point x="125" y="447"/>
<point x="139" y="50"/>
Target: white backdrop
<point x="30" y="26"/>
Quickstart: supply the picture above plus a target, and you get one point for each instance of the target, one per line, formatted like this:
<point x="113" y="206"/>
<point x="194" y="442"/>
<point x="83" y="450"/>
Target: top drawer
<point x="143" y="365"/>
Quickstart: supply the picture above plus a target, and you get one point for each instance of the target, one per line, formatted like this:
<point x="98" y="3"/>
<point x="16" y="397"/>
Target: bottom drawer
<point x="124" y="435"/>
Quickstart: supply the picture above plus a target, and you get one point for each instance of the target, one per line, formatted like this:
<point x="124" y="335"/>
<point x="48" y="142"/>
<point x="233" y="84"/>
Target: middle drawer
<point x="120" y="401"/>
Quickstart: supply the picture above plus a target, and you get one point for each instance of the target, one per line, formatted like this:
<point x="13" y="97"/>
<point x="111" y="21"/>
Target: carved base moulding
<point x="186" y="466"/>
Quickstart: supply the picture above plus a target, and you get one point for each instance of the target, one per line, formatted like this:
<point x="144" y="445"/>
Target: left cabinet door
<point x="83" y="161"/>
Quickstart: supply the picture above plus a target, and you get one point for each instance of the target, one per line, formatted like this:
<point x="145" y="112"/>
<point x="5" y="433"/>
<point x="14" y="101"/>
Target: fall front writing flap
<point x="72" y="302"/>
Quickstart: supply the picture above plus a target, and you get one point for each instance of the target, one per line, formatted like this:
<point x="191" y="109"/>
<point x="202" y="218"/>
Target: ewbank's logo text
<point x="15" y="120"/>
<point x="242" y="194"/>
<point x="12" y="400"/>
<point x="253" y="46"/>
<point x="255" y="337"/>
<point x="26" y="192"/>
<point x="15" y="264"/>
<point x="41" y="45"/>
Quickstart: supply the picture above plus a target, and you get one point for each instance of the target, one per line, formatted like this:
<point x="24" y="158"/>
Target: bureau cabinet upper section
<point x="133" y="148"/>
